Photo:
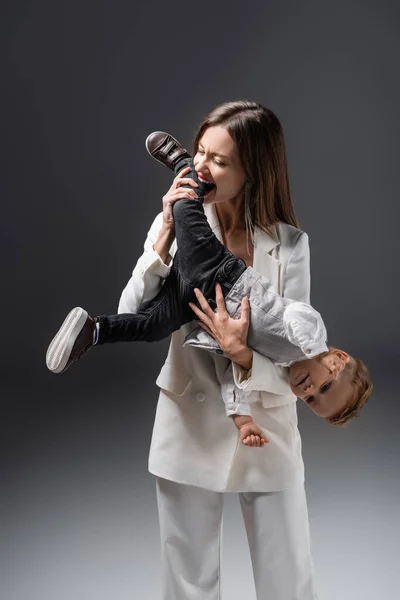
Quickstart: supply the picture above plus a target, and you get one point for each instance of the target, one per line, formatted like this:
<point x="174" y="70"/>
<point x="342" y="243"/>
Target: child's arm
<point x="234" y="398"/>
<point x="305" y="328"/>
<point x="237" y="407"/>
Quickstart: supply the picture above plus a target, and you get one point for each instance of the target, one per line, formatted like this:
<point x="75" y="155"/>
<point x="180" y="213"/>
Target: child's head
<point x="333" y="384"/>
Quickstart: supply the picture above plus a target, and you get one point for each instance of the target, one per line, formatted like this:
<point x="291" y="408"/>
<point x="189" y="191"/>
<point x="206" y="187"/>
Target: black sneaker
<point x="169" y="152"/>
<point x="166" y="149"/>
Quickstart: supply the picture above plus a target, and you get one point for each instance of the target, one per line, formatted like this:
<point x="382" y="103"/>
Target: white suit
<point x="194" y="443"/>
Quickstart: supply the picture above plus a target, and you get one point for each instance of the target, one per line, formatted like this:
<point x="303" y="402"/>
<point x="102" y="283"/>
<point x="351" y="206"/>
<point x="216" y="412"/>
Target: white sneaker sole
<point x="60" y="348"/>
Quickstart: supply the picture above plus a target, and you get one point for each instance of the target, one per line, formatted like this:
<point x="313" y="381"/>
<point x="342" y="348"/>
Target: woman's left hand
<point x="231" y="334"/>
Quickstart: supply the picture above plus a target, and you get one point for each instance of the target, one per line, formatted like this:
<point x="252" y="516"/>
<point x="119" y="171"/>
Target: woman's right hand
<point x="176" y="192"/>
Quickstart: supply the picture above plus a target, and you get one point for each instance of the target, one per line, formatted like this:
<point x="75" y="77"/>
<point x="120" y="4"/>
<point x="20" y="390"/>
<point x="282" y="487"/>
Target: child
<point x="290" y="333"/>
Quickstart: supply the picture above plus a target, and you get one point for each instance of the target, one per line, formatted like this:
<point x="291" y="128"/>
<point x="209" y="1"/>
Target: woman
<point x="195" y="451"/>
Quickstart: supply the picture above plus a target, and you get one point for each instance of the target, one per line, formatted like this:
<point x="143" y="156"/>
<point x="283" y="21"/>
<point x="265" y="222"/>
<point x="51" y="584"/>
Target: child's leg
<point x="163" y="315"/>
<point x="170" y="309"/>
<point x="200" y="261"/>
<point x="166" y="313"/>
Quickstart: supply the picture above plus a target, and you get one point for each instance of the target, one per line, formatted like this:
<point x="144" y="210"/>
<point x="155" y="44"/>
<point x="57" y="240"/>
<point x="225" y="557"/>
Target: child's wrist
<point x="241" y="420"/>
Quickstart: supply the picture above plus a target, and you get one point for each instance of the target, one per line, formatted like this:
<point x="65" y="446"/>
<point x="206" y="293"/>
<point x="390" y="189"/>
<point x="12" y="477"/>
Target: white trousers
<point x="277" y="530"/>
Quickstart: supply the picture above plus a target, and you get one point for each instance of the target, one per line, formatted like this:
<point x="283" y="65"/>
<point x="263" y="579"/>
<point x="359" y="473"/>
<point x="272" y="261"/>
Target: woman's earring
<point x="247" y="215"/>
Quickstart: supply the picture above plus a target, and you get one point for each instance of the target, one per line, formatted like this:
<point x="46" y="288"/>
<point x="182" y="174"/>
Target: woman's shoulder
<point x="288" y="235"/>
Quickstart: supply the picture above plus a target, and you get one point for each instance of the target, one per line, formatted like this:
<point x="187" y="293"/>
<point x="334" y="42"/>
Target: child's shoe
<point x="73" y="340"/>
<point x="166" y="149"/>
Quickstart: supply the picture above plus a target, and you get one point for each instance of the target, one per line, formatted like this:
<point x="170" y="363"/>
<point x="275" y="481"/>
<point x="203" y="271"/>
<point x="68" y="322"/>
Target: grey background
<point x="83" y="85"/>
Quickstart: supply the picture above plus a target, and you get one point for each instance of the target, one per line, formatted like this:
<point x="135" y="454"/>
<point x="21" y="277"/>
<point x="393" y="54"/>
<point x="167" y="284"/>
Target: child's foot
<point x="169" y="152"/>
<point x="250" y="433"/>
<point x="166" y="149"/>
<point x="73" y="339"/>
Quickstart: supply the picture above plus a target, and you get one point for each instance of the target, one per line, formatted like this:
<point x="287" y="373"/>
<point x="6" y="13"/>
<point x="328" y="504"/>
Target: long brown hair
<point x="258" y="135"/>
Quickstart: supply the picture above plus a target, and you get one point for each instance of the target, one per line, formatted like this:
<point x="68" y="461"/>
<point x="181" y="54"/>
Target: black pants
<point x="200" y="261"/>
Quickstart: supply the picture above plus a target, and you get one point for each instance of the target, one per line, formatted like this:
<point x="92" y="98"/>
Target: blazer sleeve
<point x="264" y="375"/>
<point x="148" y="275"/>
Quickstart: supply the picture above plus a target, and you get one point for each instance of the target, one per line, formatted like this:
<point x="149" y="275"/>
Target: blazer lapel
<point x="263" y="261"/>
<point x="212" y="218"/>
<point x="264" y="246"/>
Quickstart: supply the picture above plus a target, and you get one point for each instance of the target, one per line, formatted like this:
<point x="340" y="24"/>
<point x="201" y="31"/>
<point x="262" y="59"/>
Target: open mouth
<point x="208" y="192"/>
<point x="204" y="179"/>
<point x="207" y="185"/>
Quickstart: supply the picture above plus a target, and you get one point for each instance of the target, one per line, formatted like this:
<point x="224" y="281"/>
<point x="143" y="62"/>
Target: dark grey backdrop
<point x="84" y="83"/>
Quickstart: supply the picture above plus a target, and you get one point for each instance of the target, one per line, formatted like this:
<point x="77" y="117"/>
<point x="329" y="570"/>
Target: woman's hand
<point x="167" y="232"/>
<point x="175" y="193"/>
<point x="231" y="334"/>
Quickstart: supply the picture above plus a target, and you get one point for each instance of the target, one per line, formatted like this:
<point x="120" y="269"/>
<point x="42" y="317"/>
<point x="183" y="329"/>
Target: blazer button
<point x="200" y="397"/>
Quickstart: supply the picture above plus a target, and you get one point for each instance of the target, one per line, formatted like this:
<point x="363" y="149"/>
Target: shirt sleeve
<point x="234" y="398"/>
<point x="305" y="328"/>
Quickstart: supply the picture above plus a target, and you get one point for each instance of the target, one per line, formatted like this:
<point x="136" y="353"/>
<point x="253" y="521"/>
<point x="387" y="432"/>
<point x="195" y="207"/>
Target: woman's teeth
<point x="208" y="186"/>
<point x="203" y="179"/>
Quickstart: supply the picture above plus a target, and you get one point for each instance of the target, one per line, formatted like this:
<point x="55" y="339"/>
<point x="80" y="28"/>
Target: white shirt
<point x="305" y="329"/>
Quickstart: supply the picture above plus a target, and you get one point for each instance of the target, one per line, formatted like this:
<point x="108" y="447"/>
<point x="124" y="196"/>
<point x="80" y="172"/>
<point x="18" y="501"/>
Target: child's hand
<point x="252" y="435"/>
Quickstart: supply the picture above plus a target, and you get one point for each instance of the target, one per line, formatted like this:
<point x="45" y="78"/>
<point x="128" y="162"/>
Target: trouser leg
<point x="166" y="313"/>
<point x="279" y="539"/>
<point x="203" y="259"/>
<point x="190" y="529"/>
<point x="200" y="261"/>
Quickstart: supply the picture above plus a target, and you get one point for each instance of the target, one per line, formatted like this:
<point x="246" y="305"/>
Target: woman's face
<point x="217" y="161"/>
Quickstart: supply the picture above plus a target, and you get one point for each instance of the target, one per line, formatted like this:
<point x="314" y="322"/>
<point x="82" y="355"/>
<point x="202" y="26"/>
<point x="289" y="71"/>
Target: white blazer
<point x="193" y="440"/>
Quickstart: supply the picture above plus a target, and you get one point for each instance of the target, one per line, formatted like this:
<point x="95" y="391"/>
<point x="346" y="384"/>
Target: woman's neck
<point x="230" y="216"/>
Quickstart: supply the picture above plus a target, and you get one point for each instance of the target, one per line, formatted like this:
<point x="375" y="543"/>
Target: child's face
<point x="321" y="383"/>
<point x="217" y="160"/>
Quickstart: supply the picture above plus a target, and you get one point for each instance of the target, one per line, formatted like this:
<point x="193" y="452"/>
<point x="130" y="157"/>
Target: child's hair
<point x="358" y="374"/>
